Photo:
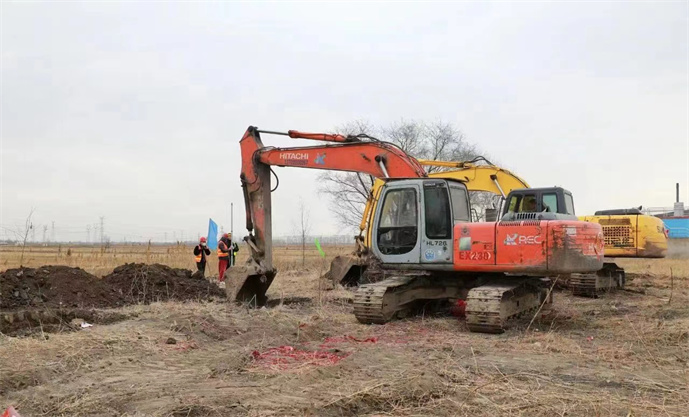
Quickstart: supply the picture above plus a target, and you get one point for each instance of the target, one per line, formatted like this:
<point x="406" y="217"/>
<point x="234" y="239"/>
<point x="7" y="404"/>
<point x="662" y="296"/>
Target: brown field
<point x="624" y="354"/>
<point x="100" y="261"/>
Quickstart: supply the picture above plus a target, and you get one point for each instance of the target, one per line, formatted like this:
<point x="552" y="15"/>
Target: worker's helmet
<point x="202" y="240"/>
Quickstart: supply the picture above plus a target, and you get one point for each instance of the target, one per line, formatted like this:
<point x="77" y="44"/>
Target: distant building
<point x="676" y="219"/>
<point x="678" y="227"/>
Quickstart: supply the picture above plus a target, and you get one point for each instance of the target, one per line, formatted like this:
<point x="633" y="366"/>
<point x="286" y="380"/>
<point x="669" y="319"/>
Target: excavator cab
<point x="415" y="219"/>
<point x="551" y="203"/>
<point x="413" y="226"/>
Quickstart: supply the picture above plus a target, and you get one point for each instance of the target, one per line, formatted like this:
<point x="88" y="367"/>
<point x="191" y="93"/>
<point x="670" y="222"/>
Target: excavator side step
<point x="610" y="278"/>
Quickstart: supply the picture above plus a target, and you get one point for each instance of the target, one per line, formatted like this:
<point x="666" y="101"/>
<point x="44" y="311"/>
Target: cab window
<point x="523" y="203"/>
<point x="437" y="211"/>
<point x="398" y="231"/>
<point x="514" y="203"/>
<point x="550" y="203"/>
<point x="460" y="204"/>
<point x="528" y="204"/>
<point x="569" y="204"/>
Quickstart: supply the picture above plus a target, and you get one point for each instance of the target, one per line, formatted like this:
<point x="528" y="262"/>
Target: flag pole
<point x="231" y="233"/>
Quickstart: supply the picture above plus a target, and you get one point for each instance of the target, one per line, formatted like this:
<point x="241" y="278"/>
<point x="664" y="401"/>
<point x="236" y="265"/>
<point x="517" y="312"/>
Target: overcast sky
<point x="133" y="111"/>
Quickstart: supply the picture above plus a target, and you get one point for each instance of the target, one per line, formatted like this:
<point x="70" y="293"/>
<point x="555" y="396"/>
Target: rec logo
<point x="517" y="239"/>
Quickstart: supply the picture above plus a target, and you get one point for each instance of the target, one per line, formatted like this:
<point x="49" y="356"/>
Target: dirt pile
<point x="55" y="287"/>
<point x="62" y="287"/>
<point x="141" y="283"/>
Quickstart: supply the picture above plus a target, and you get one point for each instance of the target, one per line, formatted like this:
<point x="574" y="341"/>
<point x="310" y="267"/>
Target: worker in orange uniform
<point x="201" y="251"/>
<point x="224" y="247"/>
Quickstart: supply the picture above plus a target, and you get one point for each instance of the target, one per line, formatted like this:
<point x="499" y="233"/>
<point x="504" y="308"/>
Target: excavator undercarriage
<point x="608" y="279"/>
<point x="491" y="299"/>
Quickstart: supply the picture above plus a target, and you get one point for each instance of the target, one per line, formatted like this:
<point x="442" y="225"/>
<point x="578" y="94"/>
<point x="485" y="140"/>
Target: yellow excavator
<point x="628" y="233"/>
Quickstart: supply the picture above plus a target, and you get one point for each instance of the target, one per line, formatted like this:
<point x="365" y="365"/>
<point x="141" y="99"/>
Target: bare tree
<point x="303" y="226"/>
<point x="28" y="227"/>
<point x="439" y="140"/>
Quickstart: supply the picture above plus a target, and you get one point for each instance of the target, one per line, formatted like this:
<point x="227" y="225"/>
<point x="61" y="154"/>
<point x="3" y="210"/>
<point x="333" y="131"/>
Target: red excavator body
<point x="532" y="246"/>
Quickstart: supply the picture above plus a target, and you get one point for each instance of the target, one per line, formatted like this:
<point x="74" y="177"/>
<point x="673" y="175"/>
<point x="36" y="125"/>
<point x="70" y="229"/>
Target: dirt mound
<point x="141" y="283"/>
<point x="54" y="287"/>
<point x="63" y="287"/>
<point x="50" y="297"/>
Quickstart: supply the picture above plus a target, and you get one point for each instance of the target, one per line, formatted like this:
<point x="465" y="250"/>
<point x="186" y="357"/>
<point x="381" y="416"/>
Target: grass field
<point x="100" y="261"/>
<point x="624" y="354"/>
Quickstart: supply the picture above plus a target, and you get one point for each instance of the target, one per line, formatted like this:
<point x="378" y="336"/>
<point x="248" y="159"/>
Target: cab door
<point x="437" y="224"/>
<point x="396" y="237"/>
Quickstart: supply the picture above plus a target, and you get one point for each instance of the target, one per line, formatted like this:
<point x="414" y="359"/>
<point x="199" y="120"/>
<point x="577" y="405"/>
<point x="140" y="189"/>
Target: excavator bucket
<point x="245" y="285"/>
<point x="354" y="269"/>
<point x="346" y="270"/>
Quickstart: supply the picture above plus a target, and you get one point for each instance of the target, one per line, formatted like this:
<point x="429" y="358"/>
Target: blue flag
<point x="212" y="235"/>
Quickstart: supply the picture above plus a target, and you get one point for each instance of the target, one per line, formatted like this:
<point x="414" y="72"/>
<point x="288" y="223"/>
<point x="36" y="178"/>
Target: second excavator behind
<point x="423" y="237"/>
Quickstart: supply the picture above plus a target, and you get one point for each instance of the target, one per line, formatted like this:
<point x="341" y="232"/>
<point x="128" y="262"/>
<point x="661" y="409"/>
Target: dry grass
<point x="101" y="261"/>
<point x="624" y="355"/>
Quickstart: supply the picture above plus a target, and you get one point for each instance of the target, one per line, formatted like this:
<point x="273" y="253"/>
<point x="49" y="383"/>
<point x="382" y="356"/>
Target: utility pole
<point x="88" y="233"/>
<point x="52" y="232"/>
<point x="232" y="219"/>
<point x="45" y="230"/>
<point x="102" y="219"/>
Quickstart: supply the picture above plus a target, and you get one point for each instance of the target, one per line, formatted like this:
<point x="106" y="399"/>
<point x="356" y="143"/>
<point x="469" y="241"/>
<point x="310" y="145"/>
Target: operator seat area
<point x="552" y="203"/>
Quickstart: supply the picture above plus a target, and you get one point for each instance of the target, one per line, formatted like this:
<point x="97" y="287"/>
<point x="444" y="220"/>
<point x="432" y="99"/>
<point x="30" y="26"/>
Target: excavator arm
<point x="489" y="178"/>
<point x="346" y="153"/>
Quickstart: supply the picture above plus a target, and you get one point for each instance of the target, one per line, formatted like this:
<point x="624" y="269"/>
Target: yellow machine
<point x="627" y="232"/>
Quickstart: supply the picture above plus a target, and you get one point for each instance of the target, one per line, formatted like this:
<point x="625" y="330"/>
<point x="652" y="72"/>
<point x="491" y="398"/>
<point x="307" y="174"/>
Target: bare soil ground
<point x="624" y="354"/>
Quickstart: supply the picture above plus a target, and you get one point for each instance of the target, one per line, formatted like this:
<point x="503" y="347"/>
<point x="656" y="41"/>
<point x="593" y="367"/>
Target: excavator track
<point x="489" y="307"/>
<point x="373" y="303"/>
<point x="608" y="279"/>
<point x="394" y="297"/>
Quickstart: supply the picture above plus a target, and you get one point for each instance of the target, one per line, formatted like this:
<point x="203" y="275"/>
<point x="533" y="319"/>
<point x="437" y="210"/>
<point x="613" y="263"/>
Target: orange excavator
<point x="423" y="237"/>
